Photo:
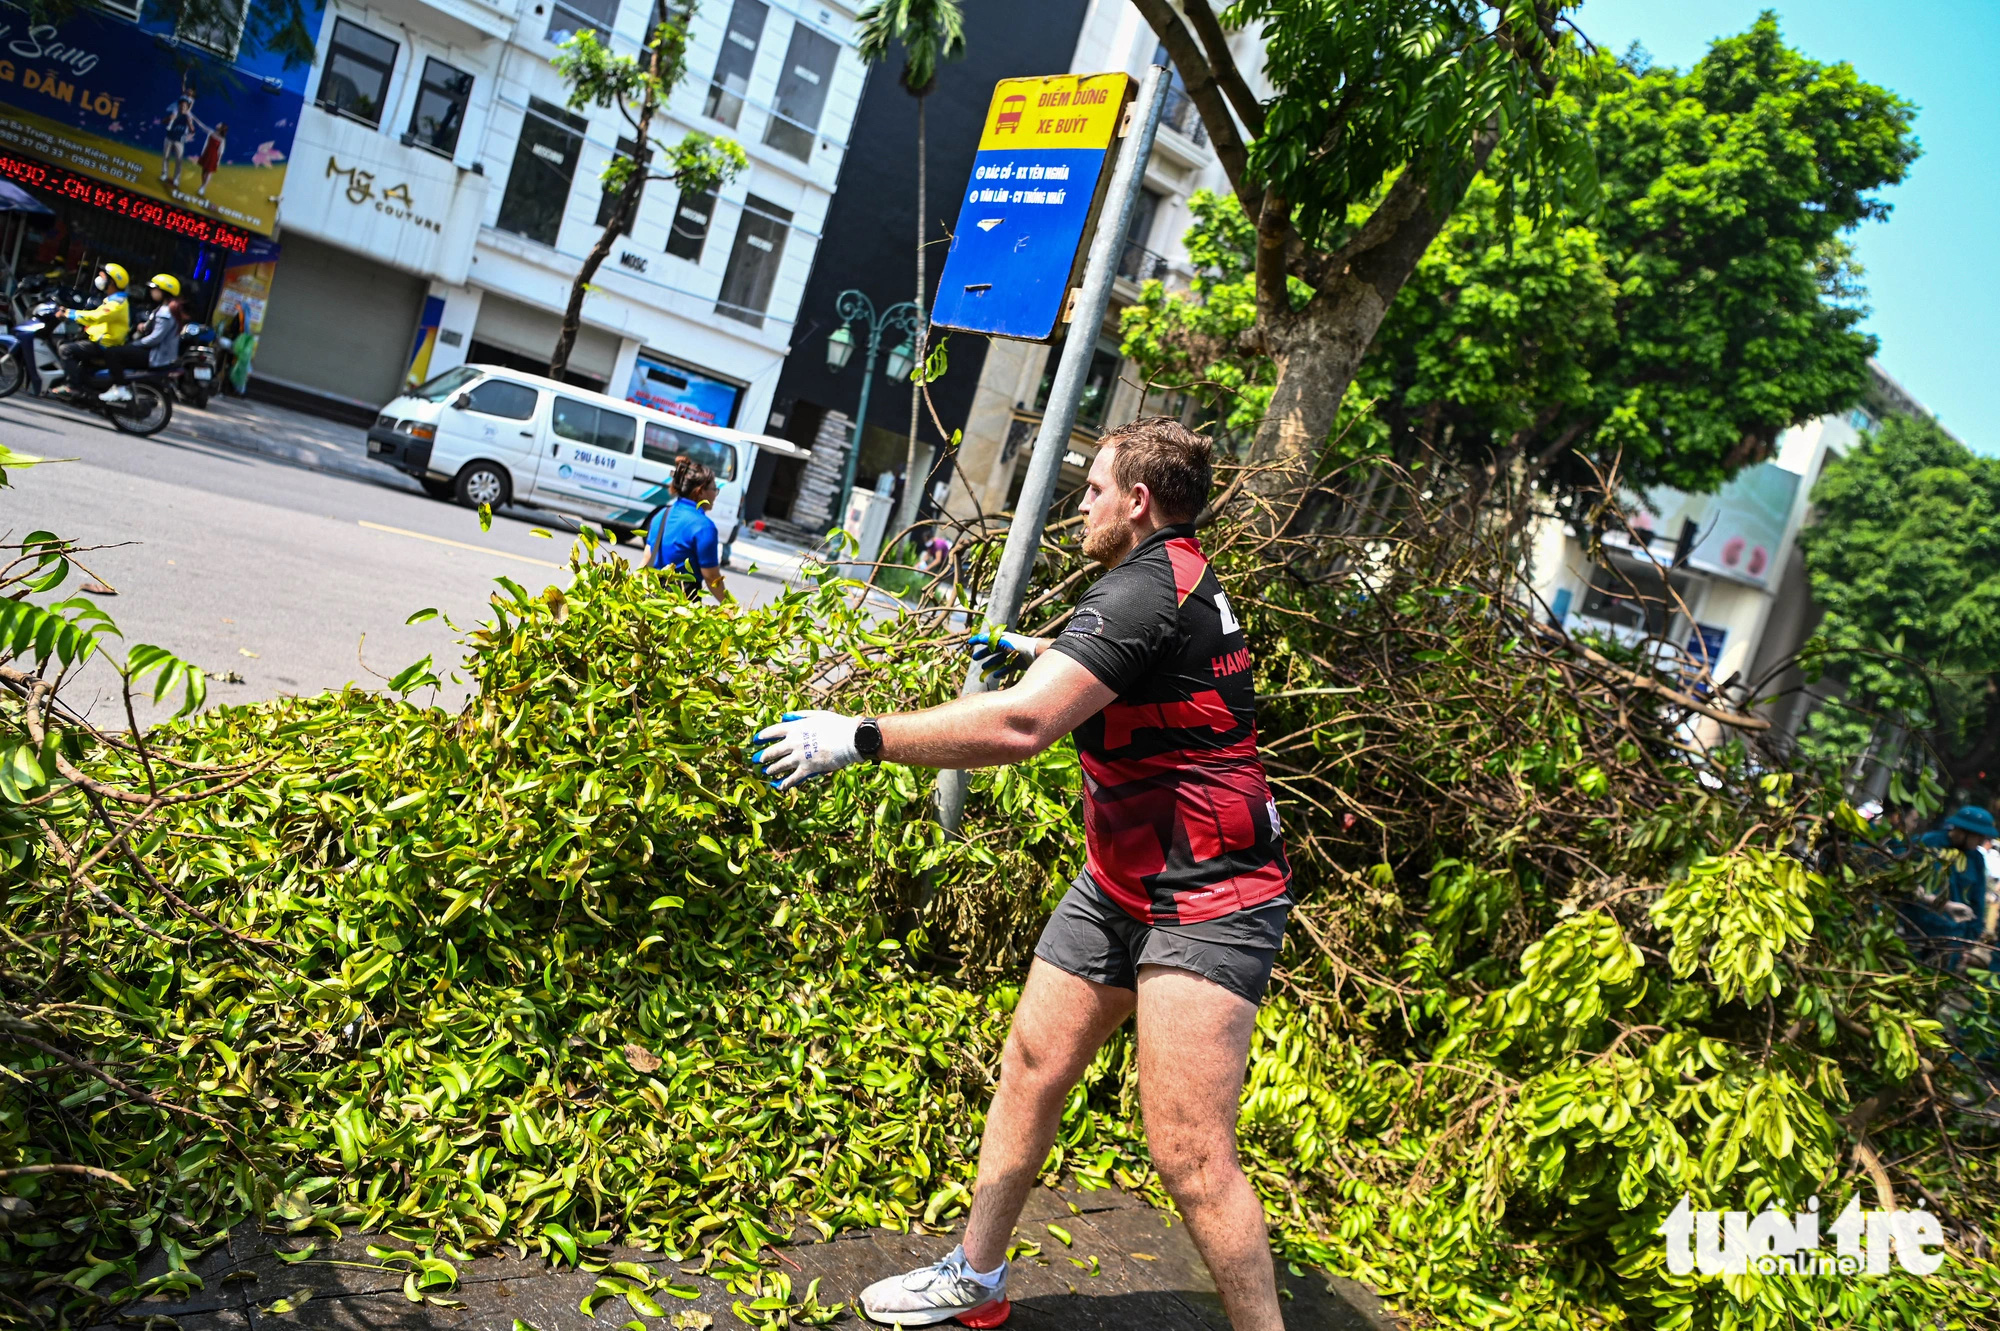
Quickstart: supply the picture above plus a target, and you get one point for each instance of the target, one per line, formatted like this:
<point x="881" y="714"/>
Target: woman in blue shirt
<point x="682" y="536"/>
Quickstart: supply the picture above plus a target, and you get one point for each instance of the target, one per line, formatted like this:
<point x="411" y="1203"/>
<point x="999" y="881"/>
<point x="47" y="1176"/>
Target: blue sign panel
<point x="1028" y="209"/>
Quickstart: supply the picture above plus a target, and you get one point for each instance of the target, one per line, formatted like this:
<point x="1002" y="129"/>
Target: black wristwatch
<point x="868" y="738"/>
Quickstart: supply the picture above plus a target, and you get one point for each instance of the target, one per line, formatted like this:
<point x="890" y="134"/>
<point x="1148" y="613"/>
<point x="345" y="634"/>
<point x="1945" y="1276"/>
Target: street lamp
<point x="854" y="308"/>
<point x="839" y="349"/>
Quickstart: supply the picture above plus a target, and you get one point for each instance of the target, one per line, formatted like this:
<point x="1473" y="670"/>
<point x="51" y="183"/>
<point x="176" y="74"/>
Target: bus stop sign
<point x="1027" y="212"/>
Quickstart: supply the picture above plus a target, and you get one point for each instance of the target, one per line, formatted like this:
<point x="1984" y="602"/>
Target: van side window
<point x="614" y="432"/>
<point x="499" y="397"/>
<point x="575" y="420"/>
<point x="664" y="444"/>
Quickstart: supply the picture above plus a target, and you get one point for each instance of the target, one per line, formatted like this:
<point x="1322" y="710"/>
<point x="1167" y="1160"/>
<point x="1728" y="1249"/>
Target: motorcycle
<point x="27" y="356"/>
<point x="198" y="373"/>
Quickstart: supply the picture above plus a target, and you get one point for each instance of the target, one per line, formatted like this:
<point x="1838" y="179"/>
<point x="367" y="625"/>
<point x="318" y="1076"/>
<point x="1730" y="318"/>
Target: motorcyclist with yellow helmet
<point x="106" y="325"/>
<point x="155" y="344"/>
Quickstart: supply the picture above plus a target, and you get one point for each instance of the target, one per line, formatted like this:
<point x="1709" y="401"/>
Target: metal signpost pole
<point x="1024" y="537"/>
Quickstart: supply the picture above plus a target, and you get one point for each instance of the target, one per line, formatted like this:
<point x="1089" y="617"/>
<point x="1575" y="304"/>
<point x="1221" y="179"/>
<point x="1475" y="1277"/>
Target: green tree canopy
<point x="1383" y="112"/>
<point x="1904" y="557"/>
<point x="638" y="86"/>
<point x="1674" y="332"/>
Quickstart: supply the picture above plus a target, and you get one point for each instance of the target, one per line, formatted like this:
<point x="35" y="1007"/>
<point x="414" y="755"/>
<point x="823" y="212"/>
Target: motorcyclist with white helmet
<point x="155" y="344"/>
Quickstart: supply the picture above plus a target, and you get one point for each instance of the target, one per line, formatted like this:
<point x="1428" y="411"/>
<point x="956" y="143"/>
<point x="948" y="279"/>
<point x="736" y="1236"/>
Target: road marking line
<point x="477" y="549"/>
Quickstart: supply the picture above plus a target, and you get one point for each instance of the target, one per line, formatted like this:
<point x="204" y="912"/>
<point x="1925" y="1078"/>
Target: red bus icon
<point x="1010" y="114"/>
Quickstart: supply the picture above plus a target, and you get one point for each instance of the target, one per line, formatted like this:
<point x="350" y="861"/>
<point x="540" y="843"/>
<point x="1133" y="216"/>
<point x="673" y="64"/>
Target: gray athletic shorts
<point x="1090" y="937"/>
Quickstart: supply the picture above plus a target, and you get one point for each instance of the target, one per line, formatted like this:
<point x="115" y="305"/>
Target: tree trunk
<point x="906" y="515"/>
<point x="628" y="203"/>
<point x="1318" y="348"/>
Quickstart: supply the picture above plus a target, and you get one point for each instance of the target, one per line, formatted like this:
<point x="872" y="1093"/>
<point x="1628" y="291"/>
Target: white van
<point x="482" y="434"/>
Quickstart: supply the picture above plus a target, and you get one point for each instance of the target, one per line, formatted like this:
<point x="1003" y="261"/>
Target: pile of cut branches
<point x="555" y="970"/>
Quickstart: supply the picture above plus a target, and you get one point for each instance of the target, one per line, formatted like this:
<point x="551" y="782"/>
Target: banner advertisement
<point x="246" y="288"/>
<point x="205" y="126"/>
<point x="1737" y="531"/>
<point x="680" y="391"/>
<point x="425" y="342"/>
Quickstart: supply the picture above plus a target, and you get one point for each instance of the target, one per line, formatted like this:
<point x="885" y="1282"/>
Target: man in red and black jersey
<point x="1181" y="904"/>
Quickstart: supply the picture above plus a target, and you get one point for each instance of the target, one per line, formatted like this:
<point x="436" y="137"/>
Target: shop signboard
<point x="681" y="391"/>
<point x="1027" y="213"/>
<point x="204" y="127"/>
<point x="1737" y="532"/>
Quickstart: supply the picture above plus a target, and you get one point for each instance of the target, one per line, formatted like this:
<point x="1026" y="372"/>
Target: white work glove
<point x="804" y="745"/>
<point x="1000" y="653"/>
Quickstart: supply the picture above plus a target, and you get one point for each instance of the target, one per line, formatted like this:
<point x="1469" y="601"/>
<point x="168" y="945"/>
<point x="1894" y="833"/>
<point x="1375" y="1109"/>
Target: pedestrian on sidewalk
<point x="1181" y="905"/>
<point x="682" y="537"/>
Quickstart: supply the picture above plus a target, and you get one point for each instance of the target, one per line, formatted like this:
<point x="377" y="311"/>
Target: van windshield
<point x="442" y="387"/>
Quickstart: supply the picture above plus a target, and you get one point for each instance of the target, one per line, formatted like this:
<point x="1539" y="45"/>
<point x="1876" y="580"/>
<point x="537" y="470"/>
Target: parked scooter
<point x="198" y="373"/>
<point x="27" y="356"/>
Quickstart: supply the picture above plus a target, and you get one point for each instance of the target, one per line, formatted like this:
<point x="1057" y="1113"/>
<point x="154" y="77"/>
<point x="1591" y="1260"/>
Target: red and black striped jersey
<point x="1179" y="821"/>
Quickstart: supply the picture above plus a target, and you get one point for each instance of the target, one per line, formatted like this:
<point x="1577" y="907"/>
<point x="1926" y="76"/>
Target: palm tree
<point x="931" y="32"/>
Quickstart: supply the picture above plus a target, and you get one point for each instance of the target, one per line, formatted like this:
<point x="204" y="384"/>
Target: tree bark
<point x="1317" y="349"/>
<point x="628" y="203"/>
<point x="906" y="514"/>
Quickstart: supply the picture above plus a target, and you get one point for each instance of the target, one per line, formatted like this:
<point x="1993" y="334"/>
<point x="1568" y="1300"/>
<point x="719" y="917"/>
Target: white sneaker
<point x="116" y="393"/>
<point x="945" y="1290"/>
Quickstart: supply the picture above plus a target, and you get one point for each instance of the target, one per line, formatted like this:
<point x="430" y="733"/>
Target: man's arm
<point x="984" y="730"/>
<point x="993" y="729"/>
<point x="713" y="577"/>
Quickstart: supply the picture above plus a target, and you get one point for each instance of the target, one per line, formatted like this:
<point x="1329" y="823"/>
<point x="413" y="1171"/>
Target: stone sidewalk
<point x="252" y="426"/>
<point x="1127" y="1268"/>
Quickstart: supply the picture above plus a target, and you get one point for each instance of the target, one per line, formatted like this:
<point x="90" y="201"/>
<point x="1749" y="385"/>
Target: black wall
<point x="869" y="240"/>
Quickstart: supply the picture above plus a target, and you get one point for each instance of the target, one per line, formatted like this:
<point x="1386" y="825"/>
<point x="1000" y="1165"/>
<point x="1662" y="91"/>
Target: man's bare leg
<point x="1194" y="1042"/>
<point x="1058" y="1026"/>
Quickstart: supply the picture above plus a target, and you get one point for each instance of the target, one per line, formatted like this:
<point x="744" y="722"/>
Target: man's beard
<point x="1110" y="543"/>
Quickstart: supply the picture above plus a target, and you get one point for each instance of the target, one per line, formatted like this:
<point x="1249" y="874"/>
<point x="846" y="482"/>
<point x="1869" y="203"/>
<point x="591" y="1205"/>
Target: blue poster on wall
<point x="680" y="391"/>
<point x="202" y="121"/>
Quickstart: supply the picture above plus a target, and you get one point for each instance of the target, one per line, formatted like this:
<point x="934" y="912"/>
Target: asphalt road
<point x="273" y="578"/>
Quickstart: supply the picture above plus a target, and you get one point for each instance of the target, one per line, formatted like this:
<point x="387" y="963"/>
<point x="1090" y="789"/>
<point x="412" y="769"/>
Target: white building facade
<point x="442" y="197"/>
<point x="1714" y="586"/>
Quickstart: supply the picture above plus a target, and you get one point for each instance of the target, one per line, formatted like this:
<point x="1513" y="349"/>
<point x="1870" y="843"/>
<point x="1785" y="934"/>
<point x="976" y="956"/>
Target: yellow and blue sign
<point x="1028" y="208"/>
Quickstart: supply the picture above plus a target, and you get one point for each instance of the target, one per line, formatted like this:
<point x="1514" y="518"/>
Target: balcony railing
<point x="1180" y="116"/>
<point x="1136" y="263"/>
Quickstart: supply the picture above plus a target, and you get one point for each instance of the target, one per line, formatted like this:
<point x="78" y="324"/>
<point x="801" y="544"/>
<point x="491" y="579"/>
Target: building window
<point x="220" y="30"/>
<point x="358" y="66"/>
<point x="732" y="67"/>
<point x="567" y="17"/>
<point x="753" y="261"/>
<point x="1636" y="597"/>
<point x="802" y="93"/>
<point x="441" y="101"/>
<point x="544" y="165"/>
<point x="122" y="8"/>
<point x="607" y="202"/>
<point x="1098" y="384"/>
<point x="689" y="232"/>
